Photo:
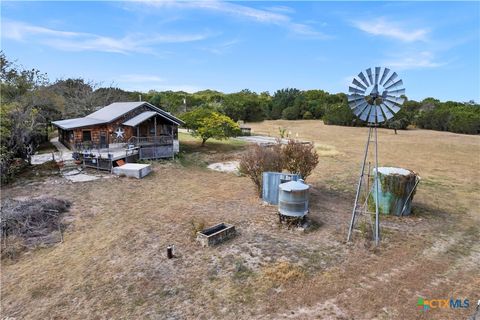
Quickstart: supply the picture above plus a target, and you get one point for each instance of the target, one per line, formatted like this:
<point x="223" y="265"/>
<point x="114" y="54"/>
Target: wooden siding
<point x="73" y="138"/>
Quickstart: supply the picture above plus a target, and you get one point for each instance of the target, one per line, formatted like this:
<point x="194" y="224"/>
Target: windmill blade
<point x="380" y="117"/>
<point x="397" y="92"/>
<point x="369" y="73"/>
<point x="391" y="78"/>
<point x="377" y="74"/>
<point x="391" y="106"/>
<point x="372" y="115"/>
<point x="396" y="100"/>
<point x="364" y="80"/>
<point x="384" y="75"/>
<point x="358" y="84"/>
<point x="364" y="115"/>
<point x="354" y="97"/>
<point x="355" y="90"/>
<point x="353" y="104"/>
<point x="398" y="83"/>
<point x="359" y="107"/>
<point x="359" y="110"/>
<point x="388" y="114"/>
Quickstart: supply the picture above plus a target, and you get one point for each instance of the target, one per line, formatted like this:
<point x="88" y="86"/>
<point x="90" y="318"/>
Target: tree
<point x="244" y="105"/>
<point x="24" y="113"/>
<point x="107" y="95"/>
<point x="77" y="96"/>
<point x="170" y="101"/>
<point x="283" y="99"/>
<point x="207" y="124"/>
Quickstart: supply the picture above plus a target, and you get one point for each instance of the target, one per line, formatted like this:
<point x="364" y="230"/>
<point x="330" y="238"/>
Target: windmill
<point x="375" y="97"/>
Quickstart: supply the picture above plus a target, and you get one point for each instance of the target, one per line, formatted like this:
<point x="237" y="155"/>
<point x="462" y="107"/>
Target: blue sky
<point x="262" y="46"/>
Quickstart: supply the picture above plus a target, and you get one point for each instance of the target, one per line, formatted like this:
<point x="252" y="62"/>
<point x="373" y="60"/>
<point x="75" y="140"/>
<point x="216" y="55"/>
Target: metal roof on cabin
<point x="111" y="112"/>
<point x="140" y="118"/>
<point x="115" y="110"/>
<point x="77" y="122"/>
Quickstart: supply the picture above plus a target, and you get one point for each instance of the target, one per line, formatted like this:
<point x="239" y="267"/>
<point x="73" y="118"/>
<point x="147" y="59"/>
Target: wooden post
<point x="155" y="138"/>
<point x="155" y="124"/>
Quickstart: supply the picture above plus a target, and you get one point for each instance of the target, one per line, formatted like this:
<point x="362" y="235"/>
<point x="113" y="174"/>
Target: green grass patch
<point x="189" y="143"/>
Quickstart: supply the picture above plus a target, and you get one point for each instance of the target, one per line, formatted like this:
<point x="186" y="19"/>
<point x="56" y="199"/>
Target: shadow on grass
<point x="192" y="153"/>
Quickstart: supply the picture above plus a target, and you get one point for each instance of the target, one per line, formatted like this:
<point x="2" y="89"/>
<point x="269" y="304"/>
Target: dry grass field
<point x="112" y="263"/>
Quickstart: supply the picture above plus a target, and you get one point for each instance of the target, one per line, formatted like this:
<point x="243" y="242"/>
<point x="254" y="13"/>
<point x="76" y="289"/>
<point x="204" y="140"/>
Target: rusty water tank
<point x="293" y="198"/>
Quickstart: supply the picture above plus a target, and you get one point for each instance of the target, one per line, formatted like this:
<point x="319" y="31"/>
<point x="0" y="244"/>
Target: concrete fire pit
<point x="216" y="234"/>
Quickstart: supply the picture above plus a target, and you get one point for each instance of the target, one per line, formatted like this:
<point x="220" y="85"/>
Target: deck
<point x="137" y="148"/>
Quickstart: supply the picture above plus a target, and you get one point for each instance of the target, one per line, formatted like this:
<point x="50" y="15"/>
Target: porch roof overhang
<point x="135" y="121"/>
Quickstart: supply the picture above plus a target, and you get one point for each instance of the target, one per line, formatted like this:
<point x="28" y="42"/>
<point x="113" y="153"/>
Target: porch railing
<point x="153" y="140"/>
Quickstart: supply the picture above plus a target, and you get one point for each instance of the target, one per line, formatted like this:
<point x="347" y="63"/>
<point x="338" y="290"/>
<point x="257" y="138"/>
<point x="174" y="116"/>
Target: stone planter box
<point x="216" y="234"/>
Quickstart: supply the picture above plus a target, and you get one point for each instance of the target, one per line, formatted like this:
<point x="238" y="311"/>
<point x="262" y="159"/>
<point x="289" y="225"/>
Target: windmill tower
<point x="375" y="97"/>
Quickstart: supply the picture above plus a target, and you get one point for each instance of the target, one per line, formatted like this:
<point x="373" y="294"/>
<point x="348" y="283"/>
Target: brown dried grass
<point x="113" y="263"/>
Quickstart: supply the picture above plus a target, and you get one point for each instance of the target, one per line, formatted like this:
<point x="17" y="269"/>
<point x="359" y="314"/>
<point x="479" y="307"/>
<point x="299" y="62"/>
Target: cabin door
<point x="103" y="139"/>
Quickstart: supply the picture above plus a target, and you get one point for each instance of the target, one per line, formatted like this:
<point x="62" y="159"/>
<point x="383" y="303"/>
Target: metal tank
<point x="293" y="199"/>
<point x="270" y="183"/>
<point x="396" y="189"/>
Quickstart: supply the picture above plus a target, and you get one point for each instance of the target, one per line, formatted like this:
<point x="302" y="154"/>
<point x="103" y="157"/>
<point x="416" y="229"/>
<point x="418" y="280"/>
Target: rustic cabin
<point x="121" y="132"/>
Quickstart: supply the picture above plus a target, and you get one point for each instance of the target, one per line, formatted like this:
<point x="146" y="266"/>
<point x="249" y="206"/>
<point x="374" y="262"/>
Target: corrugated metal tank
<point x="293" y="199"/>
<point x="270" y="183"/>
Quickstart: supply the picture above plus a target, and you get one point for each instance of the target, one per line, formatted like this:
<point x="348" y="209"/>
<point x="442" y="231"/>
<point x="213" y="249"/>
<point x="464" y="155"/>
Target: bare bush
<point x="300" y="158"/>
<point x="32" y="220"/>
<point x="259" y="159"/>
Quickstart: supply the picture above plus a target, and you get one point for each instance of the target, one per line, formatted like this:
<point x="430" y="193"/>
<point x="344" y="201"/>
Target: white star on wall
<point x="119" y="133"/>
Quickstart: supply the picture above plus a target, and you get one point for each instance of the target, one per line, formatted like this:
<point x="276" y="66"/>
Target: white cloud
<point x="138" y="78"/>
<point x="420" y="60"/>
<point x="390" y="29"/>
<point x="19" y="31"/>
<point x="180" y="87"/>
<point x="283" y="9"/>
<point x="145" y="82"/>
<point x="221" y="48"/>
<point x="234" y="9"/>
<point x="81" y="41"/>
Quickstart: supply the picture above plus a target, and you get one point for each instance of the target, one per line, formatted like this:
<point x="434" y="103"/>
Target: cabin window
<point x="152" y="130"/>
<point x="87" y="135"/>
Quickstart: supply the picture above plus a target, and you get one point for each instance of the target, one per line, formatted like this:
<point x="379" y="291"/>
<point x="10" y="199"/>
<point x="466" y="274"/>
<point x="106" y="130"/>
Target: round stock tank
<point x="293" y="199"/>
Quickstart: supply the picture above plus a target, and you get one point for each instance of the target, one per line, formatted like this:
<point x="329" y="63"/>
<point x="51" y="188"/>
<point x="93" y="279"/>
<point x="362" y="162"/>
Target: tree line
<point x="294" y="104"/>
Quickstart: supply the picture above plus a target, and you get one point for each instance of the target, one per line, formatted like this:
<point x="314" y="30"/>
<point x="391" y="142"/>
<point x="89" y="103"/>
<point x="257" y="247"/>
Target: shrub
<point x="454" y="117"/>
<point x="464" y="121"/>
<point x="339" y="114"/>
<point x="318" y="111"/>
<point x="290" y="113"/>
<point x="300" y="158"/>
<point x="259" y="159"/>
<point x="307" y="115"/>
